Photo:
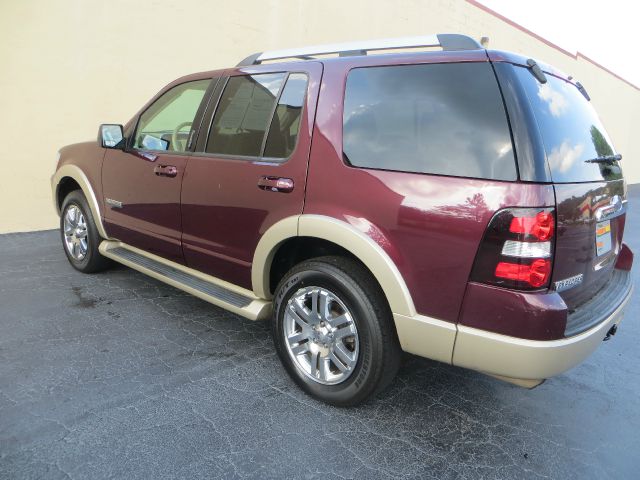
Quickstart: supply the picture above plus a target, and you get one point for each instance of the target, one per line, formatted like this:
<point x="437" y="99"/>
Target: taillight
<point x="540" y="227"/>
<point x="517" y="249"/>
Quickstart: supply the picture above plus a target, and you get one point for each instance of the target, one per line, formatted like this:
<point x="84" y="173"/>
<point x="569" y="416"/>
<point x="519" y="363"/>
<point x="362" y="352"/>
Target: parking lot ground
<point x="116" y="375"/>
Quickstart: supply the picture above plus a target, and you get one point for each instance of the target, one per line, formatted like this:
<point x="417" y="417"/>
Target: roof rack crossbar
<point x="448" y="41"/>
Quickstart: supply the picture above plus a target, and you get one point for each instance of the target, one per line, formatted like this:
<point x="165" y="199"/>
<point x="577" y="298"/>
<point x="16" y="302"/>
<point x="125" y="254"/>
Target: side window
<point x="445" y="119"/>
<point x="248" y="109"/>
<point x="243" y="114"/>
<point x="283" y="132"/>
<point x="166" y="124"/>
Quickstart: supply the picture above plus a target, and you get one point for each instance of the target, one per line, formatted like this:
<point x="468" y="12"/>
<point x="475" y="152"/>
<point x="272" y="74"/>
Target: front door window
<point x="167" y="124"/>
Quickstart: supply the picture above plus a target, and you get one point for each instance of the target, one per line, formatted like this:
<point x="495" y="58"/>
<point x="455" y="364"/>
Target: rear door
<point x="142" y="183"/>
<point x="590" y="194"/>
<point x="250" y="165"/>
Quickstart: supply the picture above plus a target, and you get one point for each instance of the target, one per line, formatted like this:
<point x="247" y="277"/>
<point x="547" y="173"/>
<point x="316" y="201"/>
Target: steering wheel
<point x="177" y="144"/>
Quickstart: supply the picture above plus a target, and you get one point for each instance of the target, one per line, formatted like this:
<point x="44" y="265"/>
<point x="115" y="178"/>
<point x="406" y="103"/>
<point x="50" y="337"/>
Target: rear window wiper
<point x="605" y="159"/>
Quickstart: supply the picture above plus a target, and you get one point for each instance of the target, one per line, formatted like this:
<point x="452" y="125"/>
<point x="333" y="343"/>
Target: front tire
<point x="79" y="234"/>
<point x="334" y="332"/>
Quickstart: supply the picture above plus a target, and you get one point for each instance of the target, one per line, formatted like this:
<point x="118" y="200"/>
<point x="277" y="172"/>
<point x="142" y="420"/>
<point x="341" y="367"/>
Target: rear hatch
<point x="590" y="190"/>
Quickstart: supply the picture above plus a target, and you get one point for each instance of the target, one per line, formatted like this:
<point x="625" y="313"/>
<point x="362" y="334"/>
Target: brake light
<point x="540" y="226"/>
<point x="517" y="249"/>
<point x="536" y="274"/>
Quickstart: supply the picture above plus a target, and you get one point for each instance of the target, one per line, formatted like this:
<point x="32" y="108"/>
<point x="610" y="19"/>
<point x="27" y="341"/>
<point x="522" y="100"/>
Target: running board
<point x="210" y="289"/>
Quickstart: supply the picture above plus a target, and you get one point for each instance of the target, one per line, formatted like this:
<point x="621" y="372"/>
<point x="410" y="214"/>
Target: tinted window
<point x="243" y="115"/>
<point x="167" y="123"/>
<point x="446" y="119"/>
<point x="570" y="128"/>
<point x="283" y="131"/>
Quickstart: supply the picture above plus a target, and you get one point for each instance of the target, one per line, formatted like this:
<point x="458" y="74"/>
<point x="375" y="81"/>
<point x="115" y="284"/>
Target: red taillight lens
<point x="540" y="226"/>
<point x="517" y="249"/>
<point x="536" y="274"/>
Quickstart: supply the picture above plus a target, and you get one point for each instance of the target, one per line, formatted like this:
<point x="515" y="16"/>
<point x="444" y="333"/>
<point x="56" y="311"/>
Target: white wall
<point x="68" y="65"/>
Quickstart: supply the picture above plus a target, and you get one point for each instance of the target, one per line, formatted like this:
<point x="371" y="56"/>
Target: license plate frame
<point x="603" y="237"/>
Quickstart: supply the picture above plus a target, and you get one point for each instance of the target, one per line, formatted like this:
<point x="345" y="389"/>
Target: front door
<point x="249" y="169"/>
<point x="142" y="184"/>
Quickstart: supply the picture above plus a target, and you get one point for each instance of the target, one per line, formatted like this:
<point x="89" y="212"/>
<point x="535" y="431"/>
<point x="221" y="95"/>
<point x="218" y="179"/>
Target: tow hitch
<point x="612" y="331"/>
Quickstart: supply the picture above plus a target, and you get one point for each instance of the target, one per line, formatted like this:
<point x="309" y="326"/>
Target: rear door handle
<point x="276" y="184"/>
<point x="165" y="170"/>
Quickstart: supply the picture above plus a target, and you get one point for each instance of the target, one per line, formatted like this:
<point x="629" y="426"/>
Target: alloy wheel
<point x="321" y="335"/>
<point x="76" y="239"/>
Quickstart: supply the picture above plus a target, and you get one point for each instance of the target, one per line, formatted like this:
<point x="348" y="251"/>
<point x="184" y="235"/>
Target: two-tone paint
<point x="418" y="234"/>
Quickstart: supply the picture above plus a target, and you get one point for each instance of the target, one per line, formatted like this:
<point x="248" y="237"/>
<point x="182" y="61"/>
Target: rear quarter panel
<point x="429" y="225"/>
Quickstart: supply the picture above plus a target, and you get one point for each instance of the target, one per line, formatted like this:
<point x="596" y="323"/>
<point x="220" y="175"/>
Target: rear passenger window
<point x="445" y="119"/>
<point x="243" y="114"/>
<point x="283" y="131"/>
<point x="248" y="109"/>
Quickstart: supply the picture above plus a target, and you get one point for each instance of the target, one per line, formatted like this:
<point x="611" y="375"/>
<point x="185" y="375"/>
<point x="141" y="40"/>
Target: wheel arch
<point x="343" y="235"/>
<point x="73" y="175"/>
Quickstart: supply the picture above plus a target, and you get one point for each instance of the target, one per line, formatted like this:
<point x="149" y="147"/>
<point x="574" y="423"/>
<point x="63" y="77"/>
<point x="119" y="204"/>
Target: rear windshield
<point x="445" y="119"/>
<point x="571" y="130"/>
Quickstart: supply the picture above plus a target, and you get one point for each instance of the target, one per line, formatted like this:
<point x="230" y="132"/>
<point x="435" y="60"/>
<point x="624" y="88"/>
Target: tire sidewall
<point x="364" y="378"/>
<point x="76" y="198"/>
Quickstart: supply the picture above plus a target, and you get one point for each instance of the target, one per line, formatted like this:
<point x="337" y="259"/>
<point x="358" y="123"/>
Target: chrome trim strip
<point x="614" y="209"/>
<point x="366" y="45"/>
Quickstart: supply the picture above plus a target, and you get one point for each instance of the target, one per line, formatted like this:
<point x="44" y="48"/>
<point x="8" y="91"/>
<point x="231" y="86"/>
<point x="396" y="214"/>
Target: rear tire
<point x="334" y="332"/>
<point x="79" y="235"/>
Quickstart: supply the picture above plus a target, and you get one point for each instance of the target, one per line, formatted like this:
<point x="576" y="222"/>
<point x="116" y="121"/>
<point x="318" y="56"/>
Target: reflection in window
<point x="283" y="131"/>
<point x="243" y="114"/>
<point x="570" y="128"/>
<point x="446" y="119"/>
<point x="556" y="101"/>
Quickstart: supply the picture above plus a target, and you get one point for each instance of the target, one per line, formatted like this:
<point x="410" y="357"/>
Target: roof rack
<point x="448" y="41"/>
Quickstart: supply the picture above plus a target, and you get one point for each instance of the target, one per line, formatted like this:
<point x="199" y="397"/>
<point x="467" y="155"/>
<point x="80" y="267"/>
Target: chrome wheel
<point x="75" y="233"/>
<point x="321" y="335"/>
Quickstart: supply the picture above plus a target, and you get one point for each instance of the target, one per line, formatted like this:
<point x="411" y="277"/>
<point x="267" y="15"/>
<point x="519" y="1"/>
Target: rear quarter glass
<point x="444" y="119"/>
<point x="570" y="129"/>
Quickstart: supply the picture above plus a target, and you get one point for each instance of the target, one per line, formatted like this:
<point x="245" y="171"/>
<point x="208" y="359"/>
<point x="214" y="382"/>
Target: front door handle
<point x="276" y="184"/>
<point x="165" y="170"/>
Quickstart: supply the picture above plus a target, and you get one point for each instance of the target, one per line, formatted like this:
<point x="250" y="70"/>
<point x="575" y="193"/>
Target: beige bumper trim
<point x="426" y="337"/>
<point x="518" y="358"/>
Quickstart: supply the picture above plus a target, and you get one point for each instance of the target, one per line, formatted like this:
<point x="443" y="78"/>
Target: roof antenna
<point x="484" y="41"/>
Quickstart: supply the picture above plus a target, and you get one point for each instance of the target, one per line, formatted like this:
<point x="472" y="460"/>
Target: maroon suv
<point x="462" y="204"/>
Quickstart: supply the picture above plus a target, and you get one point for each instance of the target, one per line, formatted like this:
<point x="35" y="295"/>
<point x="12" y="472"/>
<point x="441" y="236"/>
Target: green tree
<point x="600" y="142"/>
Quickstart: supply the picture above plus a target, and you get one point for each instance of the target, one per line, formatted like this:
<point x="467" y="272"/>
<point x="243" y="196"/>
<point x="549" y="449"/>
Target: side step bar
<point x="210" y="289"/>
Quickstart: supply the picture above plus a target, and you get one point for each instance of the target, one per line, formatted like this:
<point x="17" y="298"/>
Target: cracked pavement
<point x="115" y="375"/>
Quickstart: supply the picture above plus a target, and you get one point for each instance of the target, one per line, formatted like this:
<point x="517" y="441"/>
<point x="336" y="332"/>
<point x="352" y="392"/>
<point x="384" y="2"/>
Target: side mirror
<point x="111" y="136"/>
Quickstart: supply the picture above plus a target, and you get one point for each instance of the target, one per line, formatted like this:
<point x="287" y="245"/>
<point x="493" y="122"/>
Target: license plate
<point x="603" y="237"/>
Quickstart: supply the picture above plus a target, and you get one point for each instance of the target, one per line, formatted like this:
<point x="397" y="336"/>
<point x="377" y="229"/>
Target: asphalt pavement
<point x="115" y="375"/>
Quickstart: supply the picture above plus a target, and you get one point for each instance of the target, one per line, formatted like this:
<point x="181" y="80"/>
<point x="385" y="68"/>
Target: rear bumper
<point x="519" y="358"/>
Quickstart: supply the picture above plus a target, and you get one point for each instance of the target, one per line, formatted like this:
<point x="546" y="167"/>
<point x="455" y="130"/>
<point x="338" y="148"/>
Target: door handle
<point x="276" y="184"/>
<point x="165" y="170"/>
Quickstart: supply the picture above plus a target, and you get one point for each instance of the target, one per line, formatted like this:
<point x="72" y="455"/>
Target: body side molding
<point x="81" y="179"/>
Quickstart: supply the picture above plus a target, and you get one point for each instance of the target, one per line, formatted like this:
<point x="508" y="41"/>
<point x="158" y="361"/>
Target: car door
<point x="250" y="164"/>
<point x="142" y="183"/>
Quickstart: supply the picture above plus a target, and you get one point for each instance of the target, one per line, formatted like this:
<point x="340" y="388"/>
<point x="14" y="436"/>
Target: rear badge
<point x="568" y="283"/>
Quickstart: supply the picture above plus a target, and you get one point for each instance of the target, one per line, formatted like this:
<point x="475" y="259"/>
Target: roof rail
<point x="448" y="41"/>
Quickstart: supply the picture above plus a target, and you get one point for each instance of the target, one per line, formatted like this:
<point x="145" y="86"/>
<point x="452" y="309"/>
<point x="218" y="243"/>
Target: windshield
<point x="571" y="131"/>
